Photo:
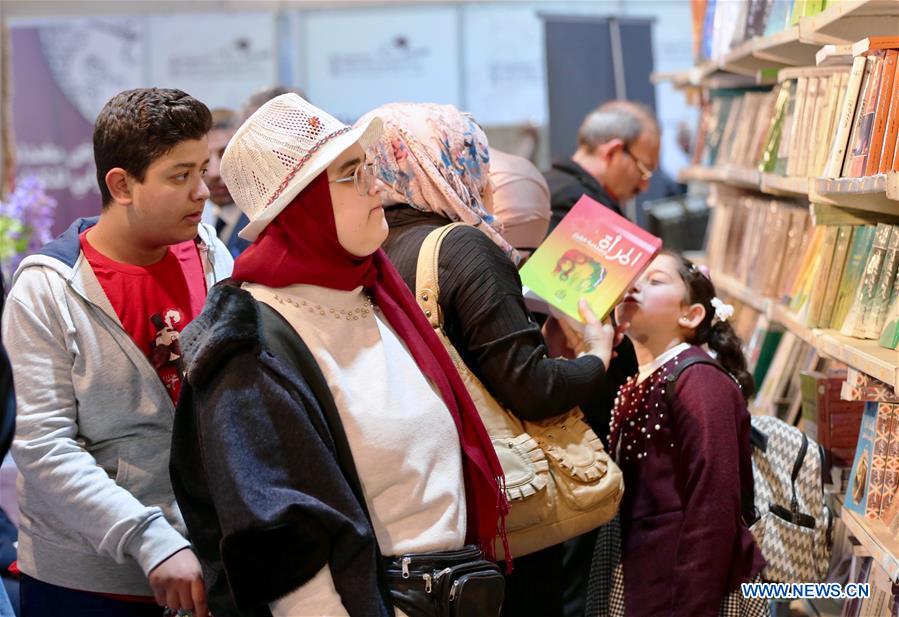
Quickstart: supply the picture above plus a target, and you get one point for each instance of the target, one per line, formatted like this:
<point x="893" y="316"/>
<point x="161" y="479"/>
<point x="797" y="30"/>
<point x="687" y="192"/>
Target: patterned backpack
<point x="786" y="512"/>
<point x="794" y="525"/>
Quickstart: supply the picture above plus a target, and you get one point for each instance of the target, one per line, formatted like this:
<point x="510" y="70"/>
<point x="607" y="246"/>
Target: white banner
<point x="356" y="60"/>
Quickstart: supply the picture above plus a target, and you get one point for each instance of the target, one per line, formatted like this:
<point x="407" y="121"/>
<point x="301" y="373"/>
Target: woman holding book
<point x="680" y="433"/>
<point x="434" y="162"/>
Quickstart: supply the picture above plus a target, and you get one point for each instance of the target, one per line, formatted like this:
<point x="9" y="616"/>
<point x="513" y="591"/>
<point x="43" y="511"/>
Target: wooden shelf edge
<point x="781" y="185"/>
<point x="877" y="540"/>
<point x="878" y="193"/>
<point x="865" y="355"/>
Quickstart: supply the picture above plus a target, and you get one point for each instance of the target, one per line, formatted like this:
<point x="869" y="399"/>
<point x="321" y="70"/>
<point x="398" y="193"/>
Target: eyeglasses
<point x="645" y="172"/>
<point x="363" y="178"/>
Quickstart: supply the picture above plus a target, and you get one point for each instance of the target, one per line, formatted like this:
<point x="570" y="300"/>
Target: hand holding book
<point x="594" y="337"/>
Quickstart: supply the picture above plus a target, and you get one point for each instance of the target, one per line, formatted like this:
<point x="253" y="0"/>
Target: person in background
<point x="618" y="150"/>
<point x="227" y="218"/>
<point x="617" y="153"/>
<point x="435" y="161"/>
<point x="278" y="458"/>
<point x="684" y="544"/>
<point x="93" y="324"/>
<point x="520" y="201"/>
<point x="263" y="96"/>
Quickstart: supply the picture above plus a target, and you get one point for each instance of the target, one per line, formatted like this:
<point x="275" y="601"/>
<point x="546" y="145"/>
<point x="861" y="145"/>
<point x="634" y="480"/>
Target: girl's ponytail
<point x="729" y="350"/>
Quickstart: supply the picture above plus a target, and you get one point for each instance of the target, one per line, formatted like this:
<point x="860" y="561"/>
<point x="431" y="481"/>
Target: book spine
<point x="891" y="476"/>
<point x="891" y="134"/>
<point x="878" y="464"/>
<point x="846" y="115"/>
<point x="867" y="287"/>
<point x="882" y="110"/>
<point x="860" y="141"/>
<point x="832" y="288"/>
<point x="876" y="316"/>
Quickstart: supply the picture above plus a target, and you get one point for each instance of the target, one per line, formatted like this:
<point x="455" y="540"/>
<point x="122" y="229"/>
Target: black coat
<point x="568" y="182"/>
<point x="256" y="473"/>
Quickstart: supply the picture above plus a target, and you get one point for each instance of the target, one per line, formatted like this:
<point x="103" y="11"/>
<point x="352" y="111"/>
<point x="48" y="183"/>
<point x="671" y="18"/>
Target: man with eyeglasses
<point x="618" y="150"/>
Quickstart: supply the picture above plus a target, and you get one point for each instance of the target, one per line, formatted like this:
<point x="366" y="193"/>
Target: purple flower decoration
<point x="26" y="219"/>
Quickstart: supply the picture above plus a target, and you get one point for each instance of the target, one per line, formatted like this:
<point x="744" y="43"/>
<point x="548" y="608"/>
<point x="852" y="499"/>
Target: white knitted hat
<point x="279" y="150"/>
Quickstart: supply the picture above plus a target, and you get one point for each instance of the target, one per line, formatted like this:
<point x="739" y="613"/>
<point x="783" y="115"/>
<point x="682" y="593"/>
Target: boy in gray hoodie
<point x="92" y="325"/>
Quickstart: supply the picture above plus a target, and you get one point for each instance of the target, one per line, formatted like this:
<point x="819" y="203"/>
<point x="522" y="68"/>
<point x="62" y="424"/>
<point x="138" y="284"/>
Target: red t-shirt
<point x="155" y="302"/>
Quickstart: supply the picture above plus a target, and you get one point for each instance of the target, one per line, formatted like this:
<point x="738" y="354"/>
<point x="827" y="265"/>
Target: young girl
<point x="684" y="548"/>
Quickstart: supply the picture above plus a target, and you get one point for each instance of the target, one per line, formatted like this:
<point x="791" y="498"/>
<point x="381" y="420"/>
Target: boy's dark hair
<point x="719" y="336"/>
<point x="138" y="126"/>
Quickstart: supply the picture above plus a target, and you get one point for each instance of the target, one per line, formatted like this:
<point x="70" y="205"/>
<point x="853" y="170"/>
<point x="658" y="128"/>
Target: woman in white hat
<point x="322" y="423"/>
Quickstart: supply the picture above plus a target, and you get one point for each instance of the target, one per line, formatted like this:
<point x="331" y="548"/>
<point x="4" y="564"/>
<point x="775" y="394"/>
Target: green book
<point x="769" y="345"/>
<point x="889" y="338"/>
<point x="867" y="287"/>
<point x="775" y="131"/>
<point x="822" y="273"/>
<point x="837" y="266"/>
<point x="875" y="317"/>
<point x="783" y="146"/>
<point x="862" y="241"/>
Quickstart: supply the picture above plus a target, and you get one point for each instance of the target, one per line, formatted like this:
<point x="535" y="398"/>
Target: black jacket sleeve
<point x="486" y="320"/>
<point x="262" y="493"/>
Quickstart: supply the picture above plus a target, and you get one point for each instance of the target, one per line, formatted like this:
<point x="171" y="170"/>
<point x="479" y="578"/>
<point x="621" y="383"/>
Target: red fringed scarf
<point x="301" y="246"/>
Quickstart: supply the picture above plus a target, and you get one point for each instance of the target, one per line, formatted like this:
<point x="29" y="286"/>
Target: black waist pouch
<point x="458" y="583"/>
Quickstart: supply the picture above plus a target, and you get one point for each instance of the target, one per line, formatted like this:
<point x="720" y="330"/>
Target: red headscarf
<point x="300" y="246"/>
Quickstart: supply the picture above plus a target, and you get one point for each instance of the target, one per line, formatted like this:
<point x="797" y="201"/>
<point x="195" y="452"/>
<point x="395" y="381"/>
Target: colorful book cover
<point x="891" y="477"/>
<point x="878" y="462"/>
<point x="592" y="254"/>
<point x="881" y="394"/>
<point x="862" y="241"/>
<point x="857" y="491"/>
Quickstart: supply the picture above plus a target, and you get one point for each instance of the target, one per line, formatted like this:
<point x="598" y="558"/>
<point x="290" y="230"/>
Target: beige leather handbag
<point x="559" y="479"/>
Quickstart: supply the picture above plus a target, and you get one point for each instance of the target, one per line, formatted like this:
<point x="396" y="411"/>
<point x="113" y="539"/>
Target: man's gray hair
<point x="624" y="120"/>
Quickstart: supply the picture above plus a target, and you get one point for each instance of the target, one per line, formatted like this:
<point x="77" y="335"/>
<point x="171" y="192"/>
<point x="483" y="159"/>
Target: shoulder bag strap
<point x="427" y="285"/>
<point x="748" y="496"/>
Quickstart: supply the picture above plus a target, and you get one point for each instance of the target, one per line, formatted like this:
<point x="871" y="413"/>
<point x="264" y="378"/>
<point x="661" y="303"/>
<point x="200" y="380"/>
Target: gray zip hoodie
<point x="94" y="426"/>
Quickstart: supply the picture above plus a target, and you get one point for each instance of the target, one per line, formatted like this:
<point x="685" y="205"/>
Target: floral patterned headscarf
<point x="435" y="158"/>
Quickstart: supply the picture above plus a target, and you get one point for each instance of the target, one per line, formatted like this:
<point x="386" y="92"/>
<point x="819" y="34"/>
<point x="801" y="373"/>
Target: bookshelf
<point x="844" y="22"/>
<point x="874" y="194"/>
<point x="864" y="355"/>
<point x="874" y="536"/>
<point x="804" y="235"/>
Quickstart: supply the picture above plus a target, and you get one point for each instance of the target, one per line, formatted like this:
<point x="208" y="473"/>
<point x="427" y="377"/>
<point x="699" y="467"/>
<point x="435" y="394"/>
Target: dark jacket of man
<point x="568" y="182"/>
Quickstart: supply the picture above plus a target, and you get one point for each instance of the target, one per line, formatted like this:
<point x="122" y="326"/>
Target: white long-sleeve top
<point x="403" y="438"/>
